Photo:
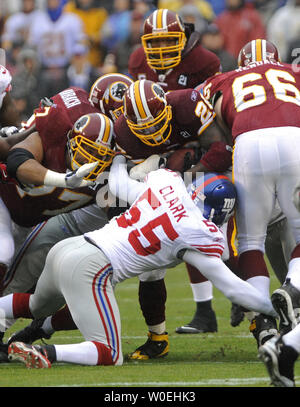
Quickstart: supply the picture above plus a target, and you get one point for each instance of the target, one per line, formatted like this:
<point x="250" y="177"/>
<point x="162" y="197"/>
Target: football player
<point x="157" y="123"/>
<point x="9" y="136"/>
<point x="105" y="96"/>
<point x="163" y="130"/>
<point x="170" y="220"/>
<point x="41" y="160"/>
<point x="266" y="161"/>
<point x="171" y="55"/>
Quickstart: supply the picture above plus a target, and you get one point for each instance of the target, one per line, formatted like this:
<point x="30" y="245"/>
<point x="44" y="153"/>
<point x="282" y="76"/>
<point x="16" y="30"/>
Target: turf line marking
<point x="213" y="382"/>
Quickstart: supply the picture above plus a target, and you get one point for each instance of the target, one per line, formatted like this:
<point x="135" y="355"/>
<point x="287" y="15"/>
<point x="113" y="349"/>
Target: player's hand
<point x="296" y="197"/>
<point x="152" y="163"/>
<point x="75" y="179"/>
<point x="8" y="131"/>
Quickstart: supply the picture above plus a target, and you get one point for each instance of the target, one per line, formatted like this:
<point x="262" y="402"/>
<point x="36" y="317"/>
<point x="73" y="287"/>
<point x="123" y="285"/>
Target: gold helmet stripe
<point x="106" y="129"/>
<point x="136" y="100"/>
<point x="258" y="45"/>
<point x="160" y="19"/>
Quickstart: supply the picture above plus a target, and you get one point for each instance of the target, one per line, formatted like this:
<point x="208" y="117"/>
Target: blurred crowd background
<point x="52" y="44"/>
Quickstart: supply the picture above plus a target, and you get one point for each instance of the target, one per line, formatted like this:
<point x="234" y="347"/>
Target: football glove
<point x="8" y="131"/>
<point x="152" y="163"/>
<point x="72" y="179"/>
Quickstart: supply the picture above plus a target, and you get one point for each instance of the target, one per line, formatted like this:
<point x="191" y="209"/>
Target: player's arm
<point x="24" y="161"/>
<point x="24" y="164"/>
<point x="236" y="290"/>
<point x="120" y="183"/>
<point x="218" y="155"/>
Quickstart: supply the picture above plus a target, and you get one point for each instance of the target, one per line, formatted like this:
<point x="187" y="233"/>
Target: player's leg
<point x="254" y="181"/>
<point x="28" y="264"/>
<point x="279" y="245"/>
<point x="83" y="277"/>
<point x="286" y="299"/>
<point x="152" y="298"/>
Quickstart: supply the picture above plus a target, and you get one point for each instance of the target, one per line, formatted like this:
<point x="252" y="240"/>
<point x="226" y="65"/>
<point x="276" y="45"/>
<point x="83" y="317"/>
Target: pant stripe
<point x="103" y="304"/>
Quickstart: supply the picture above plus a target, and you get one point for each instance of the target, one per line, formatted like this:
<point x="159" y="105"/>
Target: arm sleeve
<point x="236" y="290"/>
<point x="120" y="184"/>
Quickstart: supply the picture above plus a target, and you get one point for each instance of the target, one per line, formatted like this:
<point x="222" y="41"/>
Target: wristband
<point x="55" y="179"/>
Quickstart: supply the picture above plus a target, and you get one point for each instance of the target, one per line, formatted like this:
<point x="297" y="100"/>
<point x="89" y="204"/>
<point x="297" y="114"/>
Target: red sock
<point x="296" y="252"/>
<point x="104" y="354"/>
<point x="252" y="264"/>
<point x="194" y="275"/>
<point x="21" y="305"/>
<point x="62" y="320"/>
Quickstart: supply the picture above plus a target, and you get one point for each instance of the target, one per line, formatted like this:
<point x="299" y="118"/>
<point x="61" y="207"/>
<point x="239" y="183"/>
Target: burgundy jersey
<point x="191" y="115"/>
<point x="261" y="95"/>
<point x="194" y="68"/>
<point x="53" y="123"/>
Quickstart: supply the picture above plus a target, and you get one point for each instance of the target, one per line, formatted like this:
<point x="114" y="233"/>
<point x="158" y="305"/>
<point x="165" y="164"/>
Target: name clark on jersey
<point x="172" y="201"/>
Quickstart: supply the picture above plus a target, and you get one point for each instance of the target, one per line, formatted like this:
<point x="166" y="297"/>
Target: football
<point x="181" y="159"/>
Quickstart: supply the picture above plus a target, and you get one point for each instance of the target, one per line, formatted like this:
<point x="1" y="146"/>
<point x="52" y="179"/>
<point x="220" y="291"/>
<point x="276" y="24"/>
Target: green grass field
<point x="227" y="358"/>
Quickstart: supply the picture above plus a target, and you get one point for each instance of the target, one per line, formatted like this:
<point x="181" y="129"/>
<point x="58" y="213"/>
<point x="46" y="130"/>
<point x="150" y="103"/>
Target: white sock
<point x="292" y="338"/>
<point x="294" y="272"/>
<point x="158" y="329"/>
<point x="47" y="326"/>
<point x="202" y="291"/>
<point x="84" y="353"/>
<point x="6" y="311"/>
<point x="261" y="283"/>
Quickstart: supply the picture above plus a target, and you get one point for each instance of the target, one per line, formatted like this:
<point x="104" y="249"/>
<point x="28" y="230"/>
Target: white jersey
<point x="55" y="41"/>
<point x="162" y="221"/>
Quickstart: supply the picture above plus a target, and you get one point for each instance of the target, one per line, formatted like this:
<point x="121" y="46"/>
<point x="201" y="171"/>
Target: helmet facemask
<point x="83" y="150"/>
<point x="164" y="39"/>
<point x="147" y="112"/>
<point x="163" y="57"/>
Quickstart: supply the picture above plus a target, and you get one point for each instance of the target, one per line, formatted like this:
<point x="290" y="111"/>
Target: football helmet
<point x="258" y="50"/>
<point x="147" y="112"/>
<point x="215" y="195"/>
<point x="163" y="39"/>
<point x="90" y="140"/>
<point x="107" y="94"/>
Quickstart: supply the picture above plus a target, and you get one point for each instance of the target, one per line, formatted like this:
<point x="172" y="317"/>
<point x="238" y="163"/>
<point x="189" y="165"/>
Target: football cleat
<point x="156" y="346"/>
<point x="286" y="302"/>
<point x="236" y="315"/>
<point x="279" y="360"/>
<point x="34" y="357"/>
<point x="30" y="333"/>
<point x="263" y="327"/>
<point x="200" y="324"/>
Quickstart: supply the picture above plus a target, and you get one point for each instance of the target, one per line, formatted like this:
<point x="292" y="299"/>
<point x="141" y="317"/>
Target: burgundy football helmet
<point x="258" y="50"/>
<point x="107" y="94"/>
<point x="90" y="140"/>
<point x="147" y="112"/>
<point x="163" y="39"/>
